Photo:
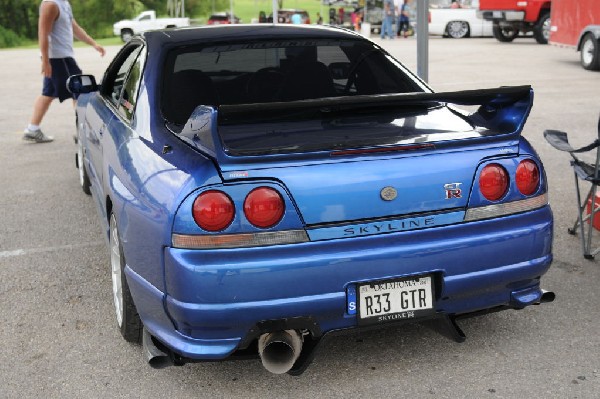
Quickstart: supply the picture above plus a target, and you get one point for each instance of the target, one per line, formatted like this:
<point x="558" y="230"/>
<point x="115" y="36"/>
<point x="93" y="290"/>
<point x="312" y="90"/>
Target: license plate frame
<point x="418" y="300"/>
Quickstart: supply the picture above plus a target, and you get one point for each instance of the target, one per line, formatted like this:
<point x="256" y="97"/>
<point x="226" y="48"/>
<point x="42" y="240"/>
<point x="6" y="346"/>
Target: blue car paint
<point x="201" y="312"/>
<point x="202" y="303"/>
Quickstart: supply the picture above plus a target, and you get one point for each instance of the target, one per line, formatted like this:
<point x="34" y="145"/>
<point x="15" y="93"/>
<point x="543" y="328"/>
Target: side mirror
<point x="81" y="84"/>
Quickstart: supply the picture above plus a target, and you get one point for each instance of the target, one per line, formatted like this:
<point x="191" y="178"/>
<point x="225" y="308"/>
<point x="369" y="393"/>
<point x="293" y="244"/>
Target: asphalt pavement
<point x="57" y="329"/>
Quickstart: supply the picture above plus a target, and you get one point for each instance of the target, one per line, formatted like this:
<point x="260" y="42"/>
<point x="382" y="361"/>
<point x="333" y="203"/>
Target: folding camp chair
<point x="590" y="206"/>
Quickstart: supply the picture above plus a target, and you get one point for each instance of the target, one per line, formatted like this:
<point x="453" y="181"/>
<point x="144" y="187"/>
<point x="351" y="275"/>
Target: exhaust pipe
<point x="530" y="296"/>
<point x="279" y="350"/>
<point x="156" y="358"/>
<point x="547" y="296"/>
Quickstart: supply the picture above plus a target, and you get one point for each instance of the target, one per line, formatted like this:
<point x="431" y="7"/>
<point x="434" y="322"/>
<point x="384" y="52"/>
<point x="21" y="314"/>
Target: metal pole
<point x="423" y="39"/>
<point x="275" y="12"/>
<point x="231" y="19"/>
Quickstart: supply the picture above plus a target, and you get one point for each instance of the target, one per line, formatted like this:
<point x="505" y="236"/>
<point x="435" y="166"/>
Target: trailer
<point x="576" y="24"/>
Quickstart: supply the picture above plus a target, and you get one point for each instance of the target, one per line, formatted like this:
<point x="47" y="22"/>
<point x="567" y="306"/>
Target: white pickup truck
<point x="146" y="21"/>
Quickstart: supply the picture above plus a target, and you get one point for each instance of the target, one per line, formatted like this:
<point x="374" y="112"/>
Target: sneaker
<point x="36" y="136"/>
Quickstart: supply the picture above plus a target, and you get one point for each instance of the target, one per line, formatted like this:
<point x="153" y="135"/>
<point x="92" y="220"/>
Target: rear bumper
<point x="214" y="300"/>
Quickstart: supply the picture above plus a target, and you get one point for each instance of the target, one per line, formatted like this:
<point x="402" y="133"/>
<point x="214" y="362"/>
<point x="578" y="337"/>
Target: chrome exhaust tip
<point x="547" y="296"/>
<point x="279" y="350"/>
<point x="156" y="358"/>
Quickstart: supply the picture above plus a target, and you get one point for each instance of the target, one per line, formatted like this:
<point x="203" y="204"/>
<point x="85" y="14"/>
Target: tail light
<point x="264" y="207"/>
<point x="493" y="182"/>
<point x="528" y="177"/>
<point x="213" y="210"/>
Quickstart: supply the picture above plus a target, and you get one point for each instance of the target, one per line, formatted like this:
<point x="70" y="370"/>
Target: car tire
<point x="458" y="29"/>
<point x="505" y="34"/>
<point x="128" y="319"/>
<point x="84" y="179"/>
<point x="590" y="53"/>
<point x="541" y="31"/>
<point x="126" y="35"/>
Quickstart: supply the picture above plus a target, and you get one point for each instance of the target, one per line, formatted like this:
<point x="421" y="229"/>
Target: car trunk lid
<point x="357" y="159"/>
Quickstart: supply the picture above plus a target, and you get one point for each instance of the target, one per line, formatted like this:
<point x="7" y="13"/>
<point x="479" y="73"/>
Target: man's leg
<point x="40" y="107"/>
<point x="33" y="131"/>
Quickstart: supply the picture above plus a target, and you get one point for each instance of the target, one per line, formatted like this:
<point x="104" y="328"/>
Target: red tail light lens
<point x="264" y="207"/>
<point x="213" y="210"/>
<point x="528" y="177"/>
<point x="493" y="182"/>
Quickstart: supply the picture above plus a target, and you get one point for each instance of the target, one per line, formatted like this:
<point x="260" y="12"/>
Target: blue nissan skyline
<point x="263" y="187"/>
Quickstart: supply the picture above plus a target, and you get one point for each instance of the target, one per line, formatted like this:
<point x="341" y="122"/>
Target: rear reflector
<point x="508" y="208"/>
<point x="239" y="240"/>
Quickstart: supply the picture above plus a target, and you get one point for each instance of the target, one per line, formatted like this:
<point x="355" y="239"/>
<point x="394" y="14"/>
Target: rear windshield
<point x="276" y="71"/>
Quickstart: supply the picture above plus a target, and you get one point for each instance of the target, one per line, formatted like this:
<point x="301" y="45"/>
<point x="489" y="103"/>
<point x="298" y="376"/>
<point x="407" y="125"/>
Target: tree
<point x="20" y="16"/>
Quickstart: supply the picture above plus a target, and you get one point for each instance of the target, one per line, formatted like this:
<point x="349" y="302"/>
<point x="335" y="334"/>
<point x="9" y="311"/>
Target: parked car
<point x="262" y="187"/>
<point x="457" y="22"/>
<point x="222" y="18"/>
<point x="146" y="21"/>
<point x="284" y="16"/>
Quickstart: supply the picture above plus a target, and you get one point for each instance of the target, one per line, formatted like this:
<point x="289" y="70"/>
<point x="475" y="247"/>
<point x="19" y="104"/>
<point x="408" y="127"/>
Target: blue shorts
<point x="56" y="86"/>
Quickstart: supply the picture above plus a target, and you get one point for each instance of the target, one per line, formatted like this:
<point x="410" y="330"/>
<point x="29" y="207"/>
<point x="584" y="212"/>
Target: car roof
<point x="246" y="32"/>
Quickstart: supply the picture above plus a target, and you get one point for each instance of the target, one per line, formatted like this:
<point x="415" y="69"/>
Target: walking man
<point x="56" y="28"/>
<point x="388" y="19"/>
<point x="403" y="19"/>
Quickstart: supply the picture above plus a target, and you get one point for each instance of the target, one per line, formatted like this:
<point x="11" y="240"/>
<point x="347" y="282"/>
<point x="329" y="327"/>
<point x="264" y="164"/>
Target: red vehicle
<point x="222" y="18"/>
<point x="577" y="24"/>
<point x="511" y="17"/>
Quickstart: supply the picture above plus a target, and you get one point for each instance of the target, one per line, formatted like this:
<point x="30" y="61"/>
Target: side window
<point x="114" y="79"/>
<point x="130" y="89"/>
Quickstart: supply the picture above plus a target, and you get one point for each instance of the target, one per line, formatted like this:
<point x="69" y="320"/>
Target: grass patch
<point x="249" y="9"/>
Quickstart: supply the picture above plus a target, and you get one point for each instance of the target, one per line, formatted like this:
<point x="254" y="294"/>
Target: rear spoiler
<point x="502" y="111"/>
<point x="491" y="101"/>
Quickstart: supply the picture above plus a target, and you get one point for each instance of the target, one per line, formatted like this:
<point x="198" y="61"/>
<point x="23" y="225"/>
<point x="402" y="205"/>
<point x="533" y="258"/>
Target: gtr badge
<point x="453" y="190"/>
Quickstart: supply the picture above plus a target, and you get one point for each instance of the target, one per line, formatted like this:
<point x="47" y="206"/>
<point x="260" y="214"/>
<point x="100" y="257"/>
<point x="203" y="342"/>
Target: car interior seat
<point x="264" y="84"/>
<point x="307" y="80"/>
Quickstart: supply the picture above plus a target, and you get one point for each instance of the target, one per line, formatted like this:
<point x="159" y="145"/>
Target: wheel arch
<point x="593" y="29"/>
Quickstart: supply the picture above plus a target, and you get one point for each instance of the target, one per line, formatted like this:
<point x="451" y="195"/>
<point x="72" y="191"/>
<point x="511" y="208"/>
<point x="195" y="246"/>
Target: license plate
<point x="393" y="300"/>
